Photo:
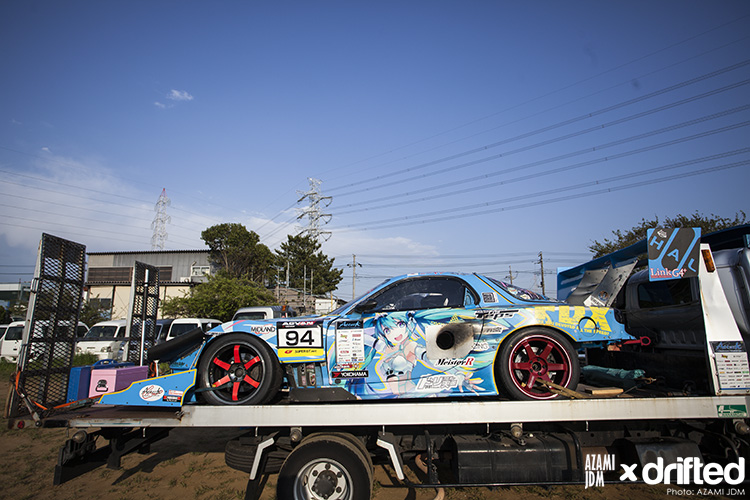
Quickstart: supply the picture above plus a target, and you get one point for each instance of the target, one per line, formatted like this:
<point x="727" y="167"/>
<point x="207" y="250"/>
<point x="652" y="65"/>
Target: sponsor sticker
<point x="151" y="392"/>
<point x="296" y="353"/>
<point x="351" y="374"/>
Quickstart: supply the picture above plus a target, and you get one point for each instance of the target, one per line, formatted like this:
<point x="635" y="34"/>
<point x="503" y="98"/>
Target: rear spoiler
<point x="597" y="282"/>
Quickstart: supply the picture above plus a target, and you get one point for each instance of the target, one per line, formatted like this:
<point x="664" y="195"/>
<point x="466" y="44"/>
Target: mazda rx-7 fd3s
<point x="414" y="336"/>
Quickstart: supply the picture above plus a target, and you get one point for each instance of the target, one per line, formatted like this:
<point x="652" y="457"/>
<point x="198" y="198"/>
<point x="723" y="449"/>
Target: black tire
<point x="325" y="467"/>
<point x="536" y="353"/>
<point x="240" y="370"/>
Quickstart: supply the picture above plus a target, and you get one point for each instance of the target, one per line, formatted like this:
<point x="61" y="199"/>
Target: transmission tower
<point x="313" y="211"/>
<point x="159" y="225"/>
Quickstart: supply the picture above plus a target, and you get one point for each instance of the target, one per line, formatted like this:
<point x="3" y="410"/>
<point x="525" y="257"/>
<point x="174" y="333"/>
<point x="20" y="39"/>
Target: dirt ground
<point x="189" y="464"/>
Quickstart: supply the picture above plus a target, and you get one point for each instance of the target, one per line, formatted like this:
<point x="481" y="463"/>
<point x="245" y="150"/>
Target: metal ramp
<point x="49" y="335"/>
<point x="144" y="304"/>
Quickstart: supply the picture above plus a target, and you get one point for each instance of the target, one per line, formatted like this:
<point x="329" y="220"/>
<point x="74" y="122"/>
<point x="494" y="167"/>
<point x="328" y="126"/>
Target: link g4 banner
<point x="673" y="253"/>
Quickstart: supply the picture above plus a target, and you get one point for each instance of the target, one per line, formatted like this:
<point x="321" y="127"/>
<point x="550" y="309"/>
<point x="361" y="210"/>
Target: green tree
<point x="306" y="262"/>
<point x="219" y="298"/>
<point x="5" y="317"/>
<point x="622" y="239"/>
<point x="92" y="313"/>
<point x="238" y="251"/>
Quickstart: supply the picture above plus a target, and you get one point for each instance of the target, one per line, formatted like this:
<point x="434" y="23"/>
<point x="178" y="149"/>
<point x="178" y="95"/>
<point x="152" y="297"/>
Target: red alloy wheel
<point x="237" y="367"/>
<point x="540" y="356"/>
<point x="235" y="371"/>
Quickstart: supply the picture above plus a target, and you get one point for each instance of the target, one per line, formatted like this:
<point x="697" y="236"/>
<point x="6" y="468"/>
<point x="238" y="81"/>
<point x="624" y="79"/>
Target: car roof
<point x="111" y="322"/>
<point x="194" y="320"/>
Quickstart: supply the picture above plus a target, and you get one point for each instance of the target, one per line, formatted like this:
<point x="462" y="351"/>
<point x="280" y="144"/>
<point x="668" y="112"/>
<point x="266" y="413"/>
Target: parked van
<point x="263" y="312"/>
<point x="181" y="326"/>
<point x="104" y="339"/>
<point x="162" y="327"/>
<point x="10" y="346"/>
<point x="11" y="343"/>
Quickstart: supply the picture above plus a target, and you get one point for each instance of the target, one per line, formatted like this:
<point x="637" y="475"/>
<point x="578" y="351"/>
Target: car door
<point x="412" y="340"/>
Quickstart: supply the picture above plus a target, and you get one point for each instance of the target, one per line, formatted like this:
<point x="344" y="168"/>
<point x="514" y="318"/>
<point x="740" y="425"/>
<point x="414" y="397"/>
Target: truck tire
<point x="536" y="353"/>
<point x="325" y="467"/>
<point x="238" y="369"/>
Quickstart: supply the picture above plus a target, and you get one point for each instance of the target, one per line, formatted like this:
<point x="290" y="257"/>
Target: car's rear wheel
<point x="530" y="356"/>
<point x="238" y="369"/>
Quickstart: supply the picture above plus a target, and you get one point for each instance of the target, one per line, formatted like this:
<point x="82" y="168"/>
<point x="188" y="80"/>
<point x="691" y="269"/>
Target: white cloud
<point x="159" y="105"/>
<point x="45" y="149"/>
<point x="179" y="95"/>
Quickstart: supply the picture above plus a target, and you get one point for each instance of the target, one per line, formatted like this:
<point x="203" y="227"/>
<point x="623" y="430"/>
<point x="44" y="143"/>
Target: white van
<point x="11" y="342"/>
<point x="104" y="339"/>
<point x="263" y="312"/>
<point x="181" y="326"/>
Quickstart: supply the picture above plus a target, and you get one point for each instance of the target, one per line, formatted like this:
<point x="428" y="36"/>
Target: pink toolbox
<point x="115" y="379"/>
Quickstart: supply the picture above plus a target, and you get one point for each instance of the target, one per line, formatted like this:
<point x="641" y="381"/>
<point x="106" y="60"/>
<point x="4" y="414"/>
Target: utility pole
<point x="354" y="265"/>
<point x="541" y="263"/>
<point x="510" y="275"/>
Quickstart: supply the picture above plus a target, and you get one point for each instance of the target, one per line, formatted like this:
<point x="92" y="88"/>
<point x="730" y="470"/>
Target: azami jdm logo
<point x="685" y="472"/>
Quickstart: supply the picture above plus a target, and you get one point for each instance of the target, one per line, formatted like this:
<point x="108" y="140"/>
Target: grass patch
<point x="84" y="359"/>
<point x="6" y="368"/>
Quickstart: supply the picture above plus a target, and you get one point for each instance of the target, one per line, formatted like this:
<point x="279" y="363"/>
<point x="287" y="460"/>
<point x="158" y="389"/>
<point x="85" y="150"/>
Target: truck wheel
<point x="534" y="354"/>
<point x="240" y="370"/>
<point x="325" y="467"/>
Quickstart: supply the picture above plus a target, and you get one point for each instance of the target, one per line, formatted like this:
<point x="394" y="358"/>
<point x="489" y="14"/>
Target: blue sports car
<point x="414" y="336"/>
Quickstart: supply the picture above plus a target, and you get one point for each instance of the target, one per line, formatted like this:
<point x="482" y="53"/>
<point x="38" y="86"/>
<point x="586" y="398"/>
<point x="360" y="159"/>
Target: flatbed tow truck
<point x="327" y="450"/>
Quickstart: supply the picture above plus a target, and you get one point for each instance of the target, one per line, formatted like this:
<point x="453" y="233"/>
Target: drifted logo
<point x="151" y="393"/>
<point x="687" y="471"/>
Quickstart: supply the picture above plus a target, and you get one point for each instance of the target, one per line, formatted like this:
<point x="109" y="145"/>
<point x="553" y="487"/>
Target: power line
<point x="630" y="79"/>
<point x="587" y="163"/>
<point x="405" y="221"/>
<point x="484" y="177"/>
<point x="462" y="154"/>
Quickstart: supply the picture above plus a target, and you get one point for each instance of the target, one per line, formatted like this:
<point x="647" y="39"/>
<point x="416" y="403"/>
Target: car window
<point x="14" y="333"/>
<point x="664" y="293"/>
<point x="81" y="330"/>
<point x="250" y="315"/>
<point x="423" y="293"/>
<point x="181" y="328"/>
<point x="101" y="332"/>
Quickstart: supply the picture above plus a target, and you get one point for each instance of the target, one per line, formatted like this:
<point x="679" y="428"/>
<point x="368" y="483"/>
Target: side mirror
<point x="366" y="306"/>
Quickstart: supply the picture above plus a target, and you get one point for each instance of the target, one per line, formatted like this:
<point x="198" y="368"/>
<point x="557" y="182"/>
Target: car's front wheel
<point x="238" y="369"/>
<point x="534" y="355"/>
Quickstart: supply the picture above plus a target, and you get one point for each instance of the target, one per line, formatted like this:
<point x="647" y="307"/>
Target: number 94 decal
<point x="300" y="336"/>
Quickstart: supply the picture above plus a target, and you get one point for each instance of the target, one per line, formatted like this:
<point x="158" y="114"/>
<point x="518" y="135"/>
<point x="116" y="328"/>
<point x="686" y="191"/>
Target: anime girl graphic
<point x="399" y="352"/>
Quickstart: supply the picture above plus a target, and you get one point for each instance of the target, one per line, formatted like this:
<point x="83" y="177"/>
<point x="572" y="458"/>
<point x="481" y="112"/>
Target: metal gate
<point x="49" y="335"/>
<point x="144" y="303"/>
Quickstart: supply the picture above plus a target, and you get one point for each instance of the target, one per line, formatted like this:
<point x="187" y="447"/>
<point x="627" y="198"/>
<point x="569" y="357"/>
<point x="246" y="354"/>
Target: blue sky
<point x="451" y="135"/>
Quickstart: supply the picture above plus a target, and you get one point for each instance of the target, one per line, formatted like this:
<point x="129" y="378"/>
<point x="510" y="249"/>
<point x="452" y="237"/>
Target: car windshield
<point x="14" y="333"/>
<point x="101" y="332"/>
<point x="250" y="315"/>
<point x="181" y="328"/>
<point x="518" y="292"/>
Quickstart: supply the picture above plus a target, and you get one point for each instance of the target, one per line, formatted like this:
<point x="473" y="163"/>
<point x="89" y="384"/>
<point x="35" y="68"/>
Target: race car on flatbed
<point x="413" y="336"/>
